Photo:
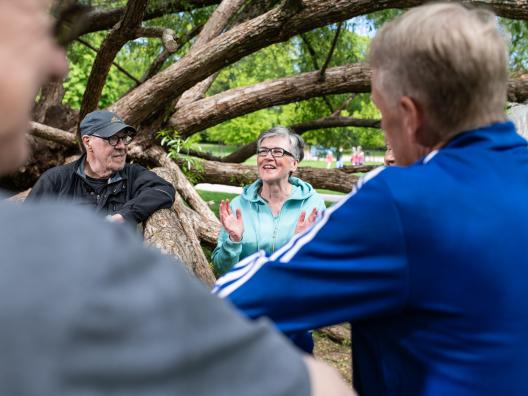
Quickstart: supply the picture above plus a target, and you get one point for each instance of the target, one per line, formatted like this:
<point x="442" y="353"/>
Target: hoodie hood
<point x="300" y="190"/>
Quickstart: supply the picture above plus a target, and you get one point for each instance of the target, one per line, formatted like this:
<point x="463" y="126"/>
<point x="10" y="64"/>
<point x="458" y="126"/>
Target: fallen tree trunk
<point x="173" y="231"/>
<point x="240" y="175"/>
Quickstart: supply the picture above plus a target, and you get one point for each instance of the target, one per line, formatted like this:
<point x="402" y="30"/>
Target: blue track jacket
<point x="429" y="263"/>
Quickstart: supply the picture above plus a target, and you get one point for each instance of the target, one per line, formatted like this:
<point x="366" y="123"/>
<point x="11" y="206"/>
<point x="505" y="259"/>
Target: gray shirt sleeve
<point x="88" y="310"/>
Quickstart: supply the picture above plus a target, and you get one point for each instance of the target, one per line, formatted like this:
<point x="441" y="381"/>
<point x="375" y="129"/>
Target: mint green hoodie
<point x="262" y="230"/>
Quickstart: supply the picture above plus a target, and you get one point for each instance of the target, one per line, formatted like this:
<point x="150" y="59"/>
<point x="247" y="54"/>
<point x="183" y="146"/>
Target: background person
<point x="329" y="159"/>
<point x="88" y="309"/>
<point x="427" y="258"/>
<point x="273" y="208"/>
<point x="102" y="179"/>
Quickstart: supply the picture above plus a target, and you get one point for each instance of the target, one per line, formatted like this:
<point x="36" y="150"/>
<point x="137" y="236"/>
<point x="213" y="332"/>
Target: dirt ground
<point x="333" y="345"/>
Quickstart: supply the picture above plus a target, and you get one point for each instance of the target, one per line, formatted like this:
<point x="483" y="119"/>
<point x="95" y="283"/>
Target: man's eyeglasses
<point x="71" y="18"/>
<point x="114" y="140"/>
<point x="276" y="152"/>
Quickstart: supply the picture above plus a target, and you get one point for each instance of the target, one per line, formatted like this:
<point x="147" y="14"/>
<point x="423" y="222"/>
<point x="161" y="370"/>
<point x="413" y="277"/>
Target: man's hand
<point x="325" y="380"/>
<point x="232" y="224"/>
<point x="304" y="222"/>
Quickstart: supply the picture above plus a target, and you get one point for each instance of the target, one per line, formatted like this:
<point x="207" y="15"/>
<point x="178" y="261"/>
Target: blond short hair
<point x="451" y="59"/>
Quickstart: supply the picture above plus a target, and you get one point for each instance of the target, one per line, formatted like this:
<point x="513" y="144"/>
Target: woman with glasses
<point x="272" y="209"/>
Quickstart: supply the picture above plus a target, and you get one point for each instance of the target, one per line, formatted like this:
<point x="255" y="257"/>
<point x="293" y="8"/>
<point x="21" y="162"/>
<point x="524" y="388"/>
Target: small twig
<point x="342" y="106"/>
<point x="118" y="67"/>
<point x="164" y="55"/>
<point x="167" y="36"/>
<point x="331" y="52"/>
<point x="313" y="55"/>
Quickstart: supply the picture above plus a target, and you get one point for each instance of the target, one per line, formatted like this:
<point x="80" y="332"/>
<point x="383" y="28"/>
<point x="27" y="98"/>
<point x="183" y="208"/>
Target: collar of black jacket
<point x="116" y="176"/>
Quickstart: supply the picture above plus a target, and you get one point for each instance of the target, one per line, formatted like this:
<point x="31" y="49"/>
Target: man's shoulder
<point x="133" y="168"/>
<point x="63" y="239"/>
<point x="60" y="171"/>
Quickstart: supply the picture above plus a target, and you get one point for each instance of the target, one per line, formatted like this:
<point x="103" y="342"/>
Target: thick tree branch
<point x="274" y="26"/>
<point x="213" y="27"/>
<point x="215" y="109"/>
<point x="104" y="19"/>
<point x="53" y="134"/>
<point x="120" y="34"/>
<point x="240" y="175"/>
<point x="232" y="103"/>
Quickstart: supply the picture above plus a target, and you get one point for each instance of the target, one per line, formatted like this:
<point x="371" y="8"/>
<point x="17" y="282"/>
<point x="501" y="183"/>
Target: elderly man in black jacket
<point x="102" y="179"/>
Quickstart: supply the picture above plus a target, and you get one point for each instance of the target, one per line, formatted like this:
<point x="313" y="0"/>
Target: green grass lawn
<point x="213" y="198"/>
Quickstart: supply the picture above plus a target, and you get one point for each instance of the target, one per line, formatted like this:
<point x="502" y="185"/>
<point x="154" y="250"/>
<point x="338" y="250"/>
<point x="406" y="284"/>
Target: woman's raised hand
<point x="304" y="222"/>
<point x="232" y="223"/>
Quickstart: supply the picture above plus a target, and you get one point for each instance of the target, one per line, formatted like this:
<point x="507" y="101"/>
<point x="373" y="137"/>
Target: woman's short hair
<point x="296" y="142"/>
<point x="450" y="58"/>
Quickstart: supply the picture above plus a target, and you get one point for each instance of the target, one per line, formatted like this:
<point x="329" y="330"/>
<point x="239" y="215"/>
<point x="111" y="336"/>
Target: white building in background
<point x="518" y="113"/>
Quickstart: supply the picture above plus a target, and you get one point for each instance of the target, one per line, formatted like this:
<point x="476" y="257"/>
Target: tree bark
<point x="214" y="26"/>
<point x="51" y="95"/>
<point x="181" y="184"/>
<point x="104" y="20"/>
<point x="120" y="34"/>
<point x="232" y="103"/>
<point x="518" y="89"/>
<point x="173" y="231"/>
<point x="276" y="25"/>
<point x="156" y="66"/>
<point x="236" y="102"/>
<point x="67" y="139"/>
<point x="240" y="175"/>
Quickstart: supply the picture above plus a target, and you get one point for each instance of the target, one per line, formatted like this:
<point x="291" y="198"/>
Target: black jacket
<point x="134" y="192"/>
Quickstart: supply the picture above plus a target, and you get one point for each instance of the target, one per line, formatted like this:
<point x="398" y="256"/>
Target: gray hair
<point x="453" y="60"/>
<point x="296" y="142"/>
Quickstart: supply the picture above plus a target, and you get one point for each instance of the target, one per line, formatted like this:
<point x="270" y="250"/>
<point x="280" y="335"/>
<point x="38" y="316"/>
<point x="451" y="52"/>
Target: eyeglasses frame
<point x="269" y="151"/>
<point x="126" y="139"/>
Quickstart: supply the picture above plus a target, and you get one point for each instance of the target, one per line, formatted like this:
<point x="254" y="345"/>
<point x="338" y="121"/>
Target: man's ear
<point x="86" y="143"/>
<point x="415" y="122"/>
<point x="412" y="118"/>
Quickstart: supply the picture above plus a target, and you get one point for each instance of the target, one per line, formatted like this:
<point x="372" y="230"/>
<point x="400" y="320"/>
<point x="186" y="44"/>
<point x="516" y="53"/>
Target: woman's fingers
<point x="313" y="216"/>
<point x="302" y="217"/>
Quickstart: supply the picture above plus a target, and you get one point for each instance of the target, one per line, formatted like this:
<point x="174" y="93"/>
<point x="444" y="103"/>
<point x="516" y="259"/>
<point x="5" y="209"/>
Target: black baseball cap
<point x="104" y="124"/>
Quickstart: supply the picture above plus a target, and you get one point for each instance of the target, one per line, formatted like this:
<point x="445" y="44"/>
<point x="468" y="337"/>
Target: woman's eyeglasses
<point x="276" y="152"/>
